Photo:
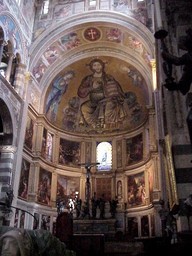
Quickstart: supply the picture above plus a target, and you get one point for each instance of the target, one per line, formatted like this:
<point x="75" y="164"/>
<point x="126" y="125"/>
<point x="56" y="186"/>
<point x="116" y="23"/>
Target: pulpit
<point x="64" y="228"/>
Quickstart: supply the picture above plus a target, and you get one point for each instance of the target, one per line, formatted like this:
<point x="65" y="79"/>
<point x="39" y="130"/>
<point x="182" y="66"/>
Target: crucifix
<point x="88" y="167"/>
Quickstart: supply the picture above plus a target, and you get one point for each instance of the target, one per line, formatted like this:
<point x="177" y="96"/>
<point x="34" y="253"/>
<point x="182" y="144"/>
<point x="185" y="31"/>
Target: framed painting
<point x="44" y="187"/>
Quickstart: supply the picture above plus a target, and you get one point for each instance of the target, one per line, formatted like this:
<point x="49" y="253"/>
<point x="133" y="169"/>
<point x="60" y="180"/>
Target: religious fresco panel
<point x="24" y="180"/>
<point x="11" y="32"/>
<point x="78" y="101"/>
<point x="27" y="11"/>
<point x="69" y="152"/>
<point x="150" y="179"/>
<point x="47" y="145"/>
<point x="119" y="153"/>
<point x="134" y="149"/>
<point x="22" y="220"/>
<point x="39" y="70"/>
<point x="60" y="10"/>
<point x="136" y="9"/>
<point x="88" y="149"/>
<point x="119" y="189"/>
<point x="144" y="226"/>
<point x="52" y="53"/>
<point x="67" y="188"/>
<point x="44" y="187"/>
<point x="114" y="35"/>
<point x="136" y="190"/>
<point x="36" y="221"/>
<point x="28" y="141"/>
<point x="69" y="41"/>
<point x="16" y="220"/>
<point x="45" y="222"/>
<point x="132" y="227"/>
<point x="54" y="226"/>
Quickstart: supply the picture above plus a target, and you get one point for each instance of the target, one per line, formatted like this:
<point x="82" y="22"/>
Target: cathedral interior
<point x="96" y="118"/>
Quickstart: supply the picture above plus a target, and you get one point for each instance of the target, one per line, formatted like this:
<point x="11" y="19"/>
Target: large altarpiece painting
<point x="69" y="152"/>
<point x="28" y="141"/>
<point x="24" y="178"/>
<point x="67" y="188"/>
<point x="134" y="149"/>
<point x="44" y="187"/>
<point x="136" y="190"/>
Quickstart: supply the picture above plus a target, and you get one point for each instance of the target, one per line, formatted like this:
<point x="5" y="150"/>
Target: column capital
<point x="27" y="76"/>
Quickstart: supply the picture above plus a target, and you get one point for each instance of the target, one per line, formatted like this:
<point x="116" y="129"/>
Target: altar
<point x="96" y="226"/>
<point x="89" y="235"/>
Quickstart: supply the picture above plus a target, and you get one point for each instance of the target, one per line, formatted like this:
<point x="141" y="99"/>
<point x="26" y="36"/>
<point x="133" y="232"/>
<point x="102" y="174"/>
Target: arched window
<point x="45" y="7"/>
<point x="15" y="63"/>
<point x="6" y="128"/>
<point x="92" y="2"/>
<point x="18" y="2"/>
<point x="104" y="156"/>
<point x="3" y="60"/>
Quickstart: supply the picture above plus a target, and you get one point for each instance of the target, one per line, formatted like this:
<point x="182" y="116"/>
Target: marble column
<point x="9" y="66"/>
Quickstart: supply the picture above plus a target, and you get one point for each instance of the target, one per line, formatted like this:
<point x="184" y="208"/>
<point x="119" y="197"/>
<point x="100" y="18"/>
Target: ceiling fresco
<point x="93" y="78"/>
<point x="87" y="36"/>
<point x="95" y="95"/>
<point x="11" y="32"/>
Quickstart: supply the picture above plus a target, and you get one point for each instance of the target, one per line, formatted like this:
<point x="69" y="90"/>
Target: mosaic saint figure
<point x="59" y="88"/>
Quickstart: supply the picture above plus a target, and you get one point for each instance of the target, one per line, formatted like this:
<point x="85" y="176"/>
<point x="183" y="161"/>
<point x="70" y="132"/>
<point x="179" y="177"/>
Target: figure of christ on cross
<point x="88" y="167"/>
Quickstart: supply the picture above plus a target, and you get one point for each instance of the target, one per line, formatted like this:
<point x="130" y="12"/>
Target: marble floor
<point x="151" y="247"/>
